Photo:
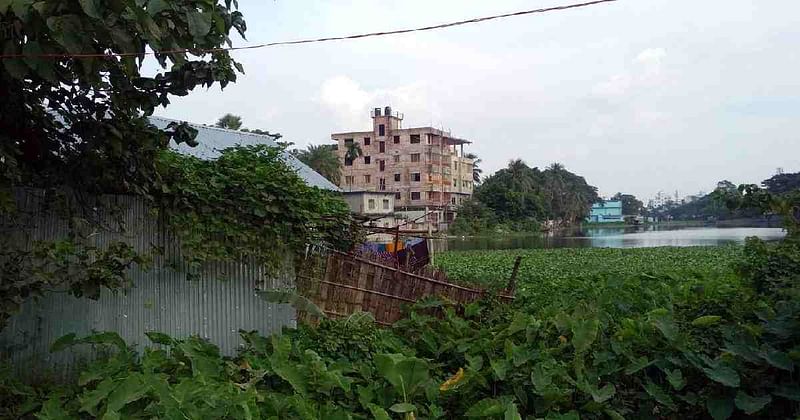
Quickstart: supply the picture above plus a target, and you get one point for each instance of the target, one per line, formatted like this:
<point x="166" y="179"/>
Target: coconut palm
<point x="353" y="152"/>
<point x="476" y="171"/>
<point x="229" y="121"/>
<point x="323" y="159"/>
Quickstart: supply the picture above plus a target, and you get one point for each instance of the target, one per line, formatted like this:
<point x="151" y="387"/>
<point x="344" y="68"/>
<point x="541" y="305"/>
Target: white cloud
<point x="651" y="56"/>
<point x="644" y="72"/>
<point x="351" y="103"/>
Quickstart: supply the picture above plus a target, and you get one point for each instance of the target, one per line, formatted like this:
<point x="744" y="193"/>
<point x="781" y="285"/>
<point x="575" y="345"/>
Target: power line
<point x="310" y="41"/>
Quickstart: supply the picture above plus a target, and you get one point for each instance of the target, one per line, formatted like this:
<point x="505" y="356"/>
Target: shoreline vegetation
<point x="506" y="233"/>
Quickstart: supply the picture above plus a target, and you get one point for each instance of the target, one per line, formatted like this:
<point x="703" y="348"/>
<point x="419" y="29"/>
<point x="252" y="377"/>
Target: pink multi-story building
<point x="424" y="167"/>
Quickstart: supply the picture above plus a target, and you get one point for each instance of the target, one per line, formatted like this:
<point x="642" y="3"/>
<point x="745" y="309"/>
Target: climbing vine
<point x="247" y="203"/>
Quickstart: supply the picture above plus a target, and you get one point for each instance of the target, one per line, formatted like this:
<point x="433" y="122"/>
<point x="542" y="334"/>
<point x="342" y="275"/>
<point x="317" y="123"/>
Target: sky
<point x="637" y="96"/>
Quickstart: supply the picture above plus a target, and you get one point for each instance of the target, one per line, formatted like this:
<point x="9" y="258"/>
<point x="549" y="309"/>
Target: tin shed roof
<point x="213" y="140"/>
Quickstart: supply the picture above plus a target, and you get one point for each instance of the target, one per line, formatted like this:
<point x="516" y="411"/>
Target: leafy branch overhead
<point x="80" y="121"/>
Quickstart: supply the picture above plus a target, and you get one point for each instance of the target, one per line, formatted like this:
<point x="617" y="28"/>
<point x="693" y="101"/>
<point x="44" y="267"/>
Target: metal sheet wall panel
<point x="218" y="302"/>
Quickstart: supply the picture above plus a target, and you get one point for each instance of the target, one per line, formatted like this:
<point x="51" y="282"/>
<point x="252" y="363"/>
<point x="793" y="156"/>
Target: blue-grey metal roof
<point x="211" y="140"/>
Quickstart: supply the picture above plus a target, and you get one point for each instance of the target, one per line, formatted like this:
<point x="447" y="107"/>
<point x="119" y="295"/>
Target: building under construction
<point x="423" y="167"/>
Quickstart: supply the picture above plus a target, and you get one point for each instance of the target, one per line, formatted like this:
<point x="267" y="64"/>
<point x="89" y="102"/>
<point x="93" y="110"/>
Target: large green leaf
<point x="778" y="359"/>
<point x="487" y="407"/>
<point x="157" y="6"/>
<point x="790" y="392"/>
<point x="511" y="413"/>
<point x="603" y="394"/>
<point x="402" y="408"/>
<point x="63" y="342"/>
<point x="584" y="332"/>
<point x="159" y="338"/>
<point x="675" y="378"/>
<point x="52" y="408"/>
<point x="723" y="374"/>
<point x="199" y="23"/>
<point x="131" y="389"/>
<point x="541" y="377"/>
<point x="67" y="30"/>
<point x="659" y="394"/>
<point x="637" y="365"/>
<point x="666" y="325"/>
<point x="405" y="373"/>
<point x="292" y="374"/>
<point x="378" y="413"/>
<point x="92" y="8"/>
<point x="90" y="401"/>
<point x="750" y="404"/>
<point x="706" y="320"/>
<point x="500" y="368"/>
<point x="720" y="408"/>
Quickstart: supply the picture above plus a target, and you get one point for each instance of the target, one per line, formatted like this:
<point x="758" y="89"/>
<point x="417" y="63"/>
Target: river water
<point x="615" y="237"/>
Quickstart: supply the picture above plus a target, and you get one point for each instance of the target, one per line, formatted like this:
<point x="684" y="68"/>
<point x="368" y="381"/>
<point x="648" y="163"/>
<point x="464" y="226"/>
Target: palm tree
<point x="476" y="171"/>
<point x="229" y="121"/>
<point x="323" y="159"/>
<point x="521" y="174"/>
<point x="353" y="152"/>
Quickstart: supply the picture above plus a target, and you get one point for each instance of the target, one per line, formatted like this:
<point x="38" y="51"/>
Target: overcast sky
<point x="638" y="96"/>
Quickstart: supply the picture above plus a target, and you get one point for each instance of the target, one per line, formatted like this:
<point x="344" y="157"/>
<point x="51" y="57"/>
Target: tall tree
<point x="782" y="183"/>
<point x="630" y="204"/>
<point x="352" y="152"/>
<point x="68" y="117"/>
<point x="323" y="159"/>
<point x="569" y="197"/>
<point x="477" y="172"/>
<point x="229" y="121"/>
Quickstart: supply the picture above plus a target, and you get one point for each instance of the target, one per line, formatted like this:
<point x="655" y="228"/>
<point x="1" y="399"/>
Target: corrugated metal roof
<point x="212" y="140"/>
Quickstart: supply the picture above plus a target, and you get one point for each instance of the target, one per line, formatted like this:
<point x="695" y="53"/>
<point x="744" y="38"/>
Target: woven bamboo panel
<point x="355" y="283"/>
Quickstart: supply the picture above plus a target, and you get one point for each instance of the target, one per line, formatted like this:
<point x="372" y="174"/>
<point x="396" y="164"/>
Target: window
<point x="382" y="184"/>
<point x="453" y="200"/>
<point x="381" y="130"/>
<point x="397" y="195"/>
<point x="396" y="139"/>
<point x="396" y="177"/>
<point x="348" y="180"/>
<point x="396" y="158"/>
<point x="455" y="182"/>
<point x="414" y="138"/>
<point x="382" y="146"/>
<point x="367" y="179"/>
<point x="386" y="204"/>
<point x="366" y="141"/>
<point x="415" y="195"/>
<point x="348" y="162"/>
<point x="382" y="164"/>
<point x="367" y="160"/>
<point x="415" y="157"/>
<point x="371" y="204"/>
<point x="430" y="177"/>
<point x="415" y="177"/>
<point x="348" y="142"/>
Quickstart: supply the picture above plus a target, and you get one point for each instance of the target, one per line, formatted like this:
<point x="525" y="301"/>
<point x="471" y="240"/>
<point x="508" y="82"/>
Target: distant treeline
<point x="521" y="198"/>
<point x="708" y="207"/>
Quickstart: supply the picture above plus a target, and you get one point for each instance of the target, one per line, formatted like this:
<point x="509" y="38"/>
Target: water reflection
<point x="615" y="237"/>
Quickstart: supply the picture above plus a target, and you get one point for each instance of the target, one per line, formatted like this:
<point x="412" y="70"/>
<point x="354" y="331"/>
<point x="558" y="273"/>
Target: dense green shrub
<point x="697" y="343"/>
<point x="492" y="361"/>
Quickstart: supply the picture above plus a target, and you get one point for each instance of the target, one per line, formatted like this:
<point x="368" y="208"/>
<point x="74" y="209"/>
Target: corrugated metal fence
<point x="216" y="304"/>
